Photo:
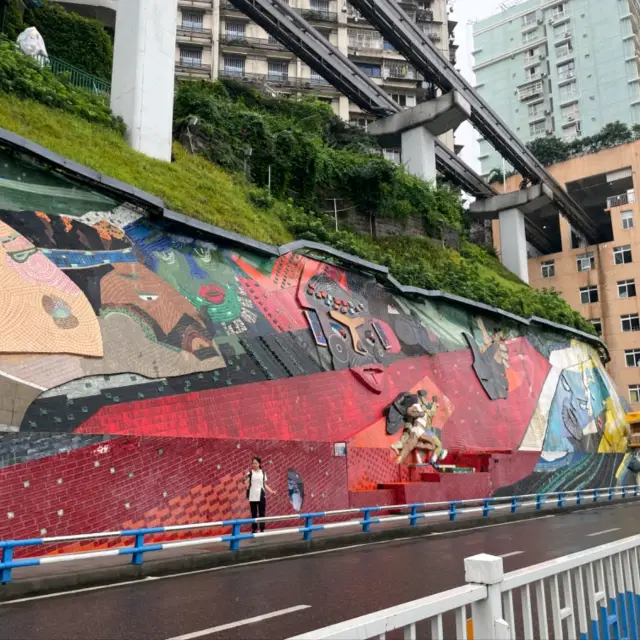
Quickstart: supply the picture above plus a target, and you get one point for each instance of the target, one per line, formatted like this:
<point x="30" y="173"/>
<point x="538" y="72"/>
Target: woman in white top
<point x="256" y="483"/>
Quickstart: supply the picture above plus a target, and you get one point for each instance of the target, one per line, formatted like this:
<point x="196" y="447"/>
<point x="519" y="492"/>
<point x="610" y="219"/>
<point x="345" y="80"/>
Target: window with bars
<point x="317" y="78"/>
<point x="585" y="261"/>
<point x="548" y="268"/>
<point x="235" y="30"/>
<point x="537" y="128"/>
<point x="364" y="39"/>
<point x="234" y="66"/>
<point x="634" y="393"/>
<point x="568" y="91"/>
<point x="630" y="322"/>
<point x="190" y="57"/>
<point x="536" y="109"/>
<point x="567" y="70"/>
<point x="530" y="36"/>
<point x="319" y="5"/>
<point x="627" y="219"/>
<point x="193" y="20"/>
<point x="589" y="295"/>
<point x="632" y="357"/>
<point x="278" y="70"/>
<point x="622" y="255"/>
<point x="627" y="289"/>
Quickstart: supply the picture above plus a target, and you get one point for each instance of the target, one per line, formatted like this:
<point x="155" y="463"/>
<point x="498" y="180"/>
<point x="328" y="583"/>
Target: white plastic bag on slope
<point x="31" y="43"/>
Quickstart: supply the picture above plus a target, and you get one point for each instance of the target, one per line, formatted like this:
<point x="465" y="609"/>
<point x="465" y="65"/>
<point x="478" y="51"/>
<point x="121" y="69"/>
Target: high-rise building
<point x="601" y="281"/>
<point x="561" y="67"/>
<point x="215" y="40"/>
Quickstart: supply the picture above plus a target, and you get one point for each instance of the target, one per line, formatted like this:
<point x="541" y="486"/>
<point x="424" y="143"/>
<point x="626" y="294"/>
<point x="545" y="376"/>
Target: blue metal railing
<point x="414" y="512"/>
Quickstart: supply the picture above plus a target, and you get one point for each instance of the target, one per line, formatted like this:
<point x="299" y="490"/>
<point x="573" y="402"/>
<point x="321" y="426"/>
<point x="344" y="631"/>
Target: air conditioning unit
<point x="567" y="34"/>
<point x="571" y="118"/>
<point x="549" y="132"/>
<point x="547" y="112"/>
<point x="540" y="20"/>
<point x="542" y="57"/>
<point x="586" y="267"/>
<point x="543" y="74"/>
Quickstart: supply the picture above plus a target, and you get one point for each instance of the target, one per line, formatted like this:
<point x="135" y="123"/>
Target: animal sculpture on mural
<point x="490" y="362"/>
<point x="418" y="433"/>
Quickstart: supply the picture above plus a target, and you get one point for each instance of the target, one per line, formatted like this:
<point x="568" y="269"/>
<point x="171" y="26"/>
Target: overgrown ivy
<point x="20" y="75"/>
<point x="306" y="152"/>
<point x="82" y="42"/>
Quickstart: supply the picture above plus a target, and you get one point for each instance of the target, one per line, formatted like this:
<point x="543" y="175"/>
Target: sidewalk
<point x="61" y="576"/>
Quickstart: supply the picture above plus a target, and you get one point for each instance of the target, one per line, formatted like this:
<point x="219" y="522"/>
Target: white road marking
<point x="511" y="553"/>
<point x="266" y="560"/>
<point x="240" y="623"/>
<point x="601" y="533"/>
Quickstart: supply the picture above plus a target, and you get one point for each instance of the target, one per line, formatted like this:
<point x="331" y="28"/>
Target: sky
<point x="466" y="12"/>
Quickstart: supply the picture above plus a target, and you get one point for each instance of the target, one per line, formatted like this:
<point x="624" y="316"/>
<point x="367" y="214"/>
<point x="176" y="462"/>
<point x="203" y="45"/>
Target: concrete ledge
<point x="97" y="576"/>
<point x="439" y="116"/>
<point x="530" y="200"/>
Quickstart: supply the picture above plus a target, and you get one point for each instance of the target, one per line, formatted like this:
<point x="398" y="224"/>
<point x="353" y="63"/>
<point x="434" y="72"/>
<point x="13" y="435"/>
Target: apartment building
<point x="561" y="67"/>
<point x="601" y="281"/>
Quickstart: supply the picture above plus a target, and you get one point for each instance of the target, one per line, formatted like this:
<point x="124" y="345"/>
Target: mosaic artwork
<point x="143" y="364"/>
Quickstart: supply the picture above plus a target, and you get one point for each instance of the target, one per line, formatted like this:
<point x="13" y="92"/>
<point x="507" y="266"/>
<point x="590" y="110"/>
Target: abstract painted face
<point x="295" y="489"/>
<point x="575" y="409"/>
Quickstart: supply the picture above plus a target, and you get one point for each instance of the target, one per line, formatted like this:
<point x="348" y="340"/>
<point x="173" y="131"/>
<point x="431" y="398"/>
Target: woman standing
<point x="256" y="483"/>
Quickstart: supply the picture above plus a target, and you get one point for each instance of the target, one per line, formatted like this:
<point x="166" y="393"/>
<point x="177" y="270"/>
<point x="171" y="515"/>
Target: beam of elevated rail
<point x="397" y="28"/>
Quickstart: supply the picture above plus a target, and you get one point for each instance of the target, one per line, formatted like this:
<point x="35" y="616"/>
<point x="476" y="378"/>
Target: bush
<point x="82" y="42"/>
<point x="22" y="76"/>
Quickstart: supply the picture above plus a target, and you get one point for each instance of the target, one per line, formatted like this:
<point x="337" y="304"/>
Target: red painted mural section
<point x="130" y="482"/>
<point x="335" y="406"/>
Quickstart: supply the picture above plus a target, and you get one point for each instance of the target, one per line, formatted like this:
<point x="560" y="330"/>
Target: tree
<point x="549" y="150"/>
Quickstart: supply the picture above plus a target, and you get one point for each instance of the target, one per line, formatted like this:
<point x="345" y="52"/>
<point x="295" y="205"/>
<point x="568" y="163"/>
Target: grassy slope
<point x="191" y="185"/>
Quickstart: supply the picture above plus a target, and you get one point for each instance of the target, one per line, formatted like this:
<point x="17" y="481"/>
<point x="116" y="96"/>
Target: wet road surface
<point x="280" y="598"/>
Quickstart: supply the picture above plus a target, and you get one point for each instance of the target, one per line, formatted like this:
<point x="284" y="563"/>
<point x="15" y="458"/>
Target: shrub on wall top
<point x="82" y="42"/>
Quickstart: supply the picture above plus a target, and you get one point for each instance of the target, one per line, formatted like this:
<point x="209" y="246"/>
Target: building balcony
<point x="530" y="91"/>
<point x="319" y="15"/>
<point x="621" y="199"/>
<point x="202" y="5"/>
<point x="193" y="68"/>
<point x="565" y="76"/>
<point x="193" y="34"/>
<point x="561" y="36"/>
<point x="240" y="41"/>
<point x="424" y="15"/>
<point x="373" y="49"/>
<point x="276" y="80"/>
<point x="559" y="16"/>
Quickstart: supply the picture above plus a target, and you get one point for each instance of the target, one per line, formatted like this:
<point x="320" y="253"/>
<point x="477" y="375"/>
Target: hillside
<point x="75" y="127"/>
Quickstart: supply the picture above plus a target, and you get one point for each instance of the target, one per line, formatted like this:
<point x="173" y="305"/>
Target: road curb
<point x="101" y="576"/>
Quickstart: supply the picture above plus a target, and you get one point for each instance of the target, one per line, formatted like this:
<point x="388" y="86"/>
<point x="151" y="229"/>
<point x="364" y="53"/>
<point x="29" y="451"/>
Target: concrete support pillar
<point x="143" y="73"/>
<point x="513" y="243"/>
<point x="419" y="153"/>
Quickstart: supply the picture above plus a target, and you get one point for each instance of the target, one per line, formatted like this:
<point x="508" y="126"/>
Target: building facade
<point x="600" y="281"/>
<point x="561" y="67"/>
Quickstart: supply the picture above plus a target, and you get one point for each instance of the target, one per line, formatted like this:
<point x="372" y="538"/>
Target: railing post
<point x="136" y="557"/>
<point x="6" y="558"/>
<point x="560" y="499"/>
<point x="610" y="493"/>
<point x="452" y="511"/>
<point x="514" y="504"/>
<point x="413" y="517"/>
<point x="366" y="521"/>
<point x="486" y="614"/>
<point x="308" y="521"/>
<point x="486" y="507"/>
<point x="234" y="543"/>
<point x="624" y="492"/>
<point x="595" y="495"/>
<point x="539" y="502"/>
<point x="579" y="497"/>
<point x="635" y="491"/>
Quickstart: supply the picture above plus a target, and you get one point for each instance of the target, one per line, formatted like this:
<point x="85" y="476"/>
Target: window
<point x="561" y="32"/>
<point x="535" y="110"/>
<point x="233" y="66"/>
<point x="570" y="111"/>
<point x="531" y="56"/>
<point x="536" y="128"/>
<point x="585" y="261"/>
<point x="632" y="357"/>
<point x="372" y="70"/>
<point x="548" y="268"/>
<point x="597" y="325"/>
<point x="589" y="295"/>
<point x="563" y="51"/>
<point x="319" y="5"/>
<point x="622" y="255"/>
<point x="532" y="72"/>
<point x="278" y="71"/>
<point x="567" y="70"/>
<point x="530" y="36"/>
<point x="404" y="100"/>
<point x="273" y="40"/>
<point x="193" y="20"/>
<point x="393" y="155"/>
<point x="190" y="57"/>
<point x="568" y="91"/>
<point x="627" y="289"/>
<point x="577" y="239"/>
<point x="627" y="219"/>
<point x="317" y="78"/>
<point x="559" y="11"/>
<point x="361" y="39"/>
<point x="529" y="19"/>
<point x="630" y="322"/>
<point x="634" y="393"/>
<point x="235" y="30"/>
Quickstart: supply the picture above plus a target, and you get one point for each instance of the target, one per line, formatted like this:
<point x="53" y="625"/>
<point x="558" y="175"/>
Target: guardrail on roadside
<point x="415" y="512"/>
<point x="597" y="591"/>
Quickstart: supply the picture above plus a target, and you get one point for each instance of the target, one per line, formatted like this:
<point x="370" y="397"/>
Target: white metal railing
<point x="621" y="199"/>
<point x="530" y="91"/>
<point x="590" y="594"/>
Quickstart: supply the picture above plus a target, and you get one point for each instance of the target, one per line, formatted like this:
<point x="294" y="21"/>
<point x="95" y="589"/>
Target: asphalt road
<point x="303" y="593"/>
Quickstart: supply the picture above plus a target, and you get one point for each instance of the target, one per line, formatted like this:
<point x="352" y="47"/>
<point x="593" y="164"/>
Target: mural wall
<point x="142" y="365"/>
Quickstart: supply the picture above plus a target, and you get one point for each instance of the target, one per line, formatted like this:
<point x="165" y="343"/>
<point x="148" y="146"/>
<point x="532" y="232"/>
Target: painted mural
<point x="142" y="364"/>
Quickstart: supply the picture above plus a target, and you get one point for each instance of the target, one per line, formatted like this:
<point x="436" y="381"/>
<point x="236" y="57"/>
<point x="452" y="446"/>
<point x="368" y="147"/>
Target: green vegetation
<point x="82" y="130"/>
<point x="79" y="41"/>
<point x="22" y="76"/>
<point x="314" y="156"/>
